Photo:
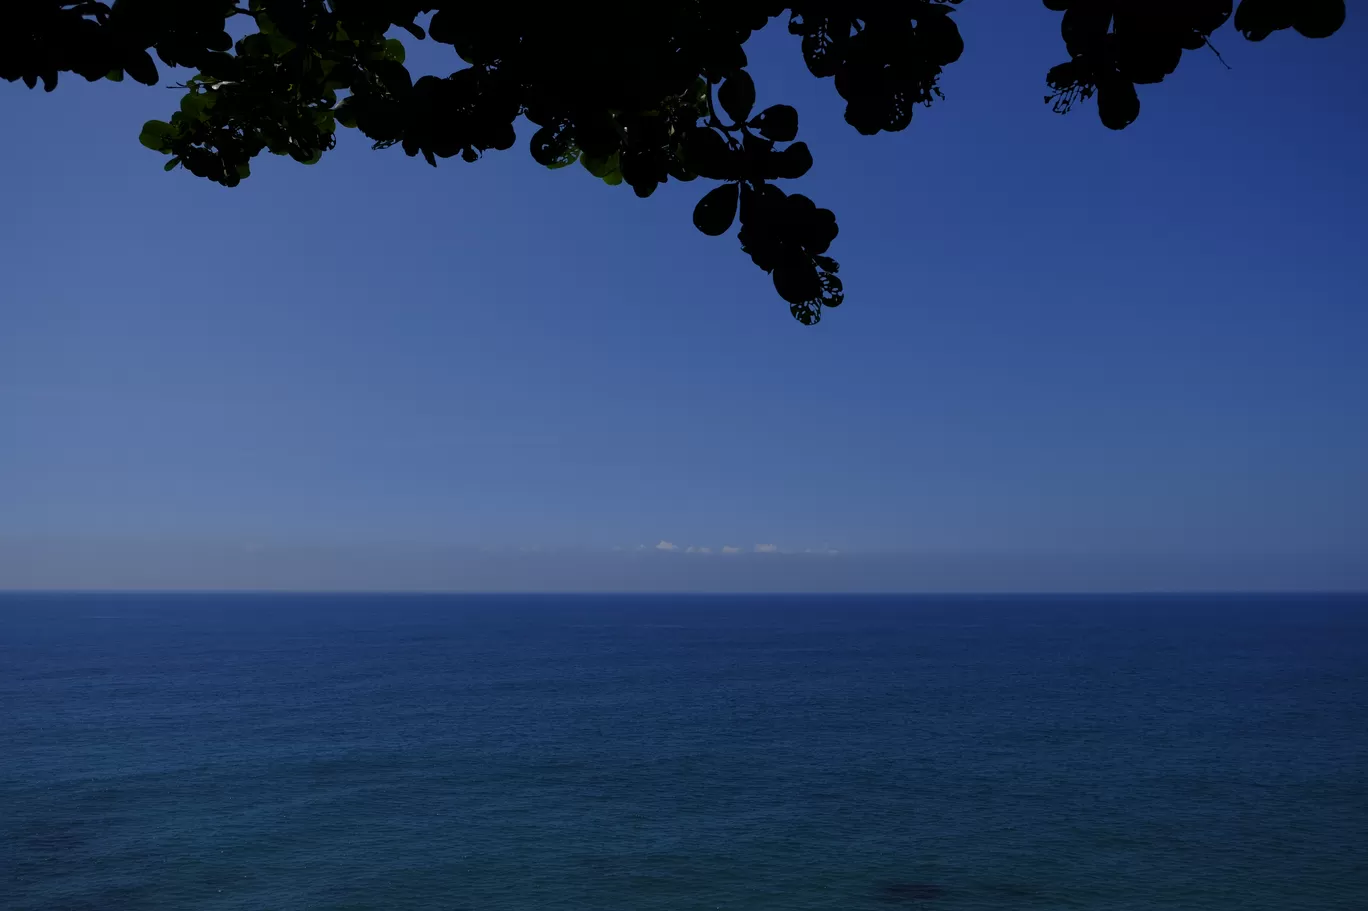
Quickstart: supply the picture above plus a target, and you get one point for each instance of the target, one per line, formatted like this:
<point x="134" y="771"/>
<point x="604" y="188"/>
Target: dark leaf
<point x="737" y="96"/>
<point x="796" y="281"/>
<point x="220" y="68"/>
<point x="1209" y="15"/>
<point x="764" y="204"/>
<point x="346" y="112"/>
<point x="794" y="161"/>
<point x="778" y="123"/>
<point x="809" y="313"/>
<point x="1117" y="103"/>
<point x="1319" y="18"/>
<point x="706" y="154"/>
<point x="1065" y="75"/>
<point x="716" y="211"/>
<point x="554" y="147"/>
<point x="1257" y="19"/>
<point x="941" y="39"/>
<point x="833" y="291"/>
<point x="140" y="66"/>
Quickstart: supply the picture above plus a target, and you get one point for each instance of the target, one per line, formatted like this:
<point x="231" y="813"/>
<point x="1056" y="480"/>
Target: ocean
<point x="672" y="753"/>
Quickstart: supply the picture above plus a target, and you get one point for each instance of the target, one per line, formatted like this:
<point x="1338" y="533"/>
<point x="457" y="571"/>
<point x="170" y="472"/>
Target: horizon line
<point x="891" y="593"/>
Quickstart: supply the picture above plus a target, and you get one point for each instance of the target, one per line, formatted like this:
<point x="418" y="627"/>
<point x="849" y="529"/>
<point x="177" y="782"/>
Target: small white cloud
<point x="667" y="545"/>
<point x="691" y="549"/>
<point x="703" y="550"/>
<point x="766" y="549"/>
<point x="728" y="549"/>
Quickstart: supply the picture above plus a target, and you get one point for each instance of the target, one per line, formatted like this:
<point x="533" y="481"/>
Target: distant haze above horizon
<point x="125" y="565"/>
<point x="1069" y="360"/>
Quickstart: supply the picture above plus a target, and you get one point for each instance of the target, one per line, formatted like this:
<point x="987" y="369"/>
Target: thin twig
<point x="1217" y="53"/>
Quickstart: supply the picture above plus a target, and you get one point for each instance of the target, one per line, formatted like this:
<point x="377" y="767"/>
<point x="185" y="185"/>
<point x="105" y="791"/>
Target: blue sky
<point x="1117" y="360"/>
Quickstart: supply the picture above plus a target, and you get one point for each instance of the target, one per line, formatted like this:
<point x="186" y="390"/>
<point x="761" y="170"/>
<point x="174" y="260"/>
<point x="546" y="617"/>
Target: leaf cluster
<point x="1115" y="45"/>
<point x="636" y="94"/>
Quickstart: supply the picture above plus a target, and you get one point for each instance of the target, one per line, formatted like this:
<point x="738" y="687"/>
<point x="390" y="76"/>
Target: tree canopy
<point x="636" y="92"/>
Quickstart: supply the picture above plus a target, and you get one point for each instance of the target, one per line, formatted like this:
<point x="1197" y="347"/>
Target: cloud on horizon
<point x="667" y="545"/>
<point x="766" y="549"/>
<point x="213" y="564"/>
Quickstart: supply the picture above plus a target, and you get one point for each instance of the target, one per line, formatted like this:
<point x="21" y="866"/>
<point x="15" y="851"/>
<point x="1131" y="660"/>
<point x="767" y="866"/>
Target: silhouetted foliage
<point x="637" y="92"/>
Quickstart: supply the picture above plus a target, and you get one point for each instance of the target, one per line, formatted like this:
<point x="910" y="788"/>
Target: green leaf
<point x="346" y="112"/>
<point x="156" y="135"/>
<point x="115" y="75"/>
<point x="279" y="44"/>
<point x="599" y="165"/>
<point x="244" y="170"/>
<point x="716" y="211"/>
<point x="737" y="96"/>
<point x="699" y="96"/>
<point x="614" y="176"/>
<point x="195" y="104"/>
<point x="394" y="50"/>
<point x="171" y="165"/>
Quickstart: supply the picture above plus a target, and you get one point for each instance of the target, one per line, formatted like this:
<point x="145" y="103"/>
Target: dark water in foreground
<point x="521" y="754"/>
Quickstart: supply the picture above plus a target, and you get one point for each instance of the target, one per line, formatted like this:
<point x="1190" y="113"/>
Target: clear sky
<point x="1069" y="358"/>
